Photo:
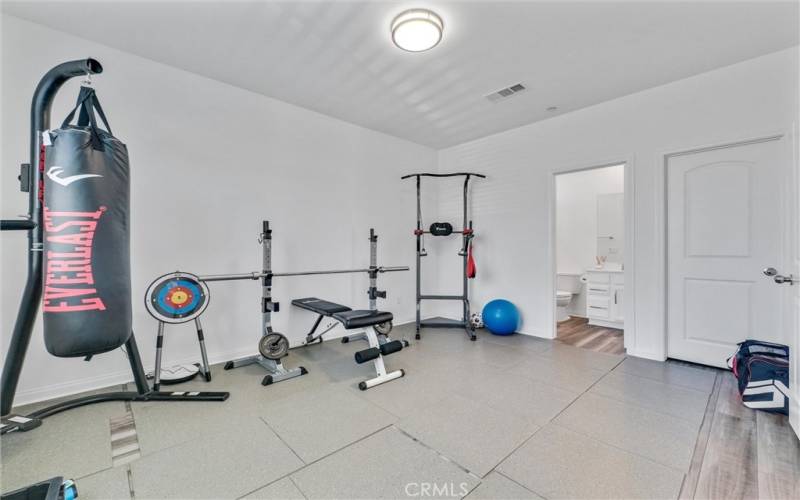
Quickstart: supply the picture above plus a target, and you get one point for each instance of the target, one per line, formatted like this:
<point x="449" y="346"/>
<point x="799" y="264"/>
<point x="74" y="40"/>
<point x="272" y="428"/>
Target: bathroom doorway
<point x="590" y="244"/>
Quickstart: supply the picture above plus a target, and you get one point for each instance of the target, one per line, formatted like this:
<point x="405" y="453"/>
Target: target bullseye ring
<point x="177" y="297"/>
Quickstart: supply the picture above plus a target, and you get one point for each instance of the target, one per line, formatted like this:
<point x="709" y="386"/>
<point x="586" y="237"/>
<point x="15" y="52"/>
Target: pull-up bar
<point x="266" y="274"/>
<point x="446" y="229"/>
<point x="456" y="174"/>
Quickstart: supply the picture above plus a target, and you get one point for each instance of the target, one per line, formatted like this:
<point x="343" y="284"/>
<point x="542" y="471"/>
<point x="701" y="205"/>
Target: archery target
<point x="177" y="297"/>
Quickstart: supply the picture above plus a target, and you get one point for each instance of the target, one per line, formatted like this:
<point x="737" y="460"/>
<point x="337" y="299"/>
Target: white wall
<point x="217" y="159"/>
<point x="209" y="161"/>
<point x="511" y="208"/>
<point x="576" y="214"/>
<point x="576" y="221"/>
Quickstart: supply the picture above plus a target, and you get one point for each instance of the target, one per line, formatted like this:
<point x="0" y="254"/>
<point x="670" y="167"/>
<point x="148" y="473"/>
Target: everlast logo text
<point x="68" y="285"/>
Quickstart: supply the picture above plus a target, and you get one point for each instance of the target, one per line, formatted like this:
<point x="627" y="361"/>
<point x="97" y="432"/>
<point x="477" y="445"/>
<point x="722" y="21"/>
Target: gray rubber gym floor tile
<point x="387" y="464"/>
<point x="533" y="400"/>
<point x="245" y="377"/>
<point x="336" y="361"/>
<point x="109" y="409"/>
<point x="346" y="370"/>
<point x="584" y="358"/>
<point x="162" y="425"/>
<point x="316" y="423"/>
<point x="561" y="374"/>
<point x="408" y="395"/>
<point x="493" y="354"/>
<point x="453" y="340"/>
<point x="343" y="369"/>
<point x="244" y="383"/>
<point x="257" y="395"/>
<point x="496" y="486"/>
<point x="517" y="341"/>
<point x="679" y="402"/>
<point x="169" y="424"/>
<point x="470" y="433"/>
<point x="283" y="489"/>
<point x="670" y="372"/>
<point x="51" y="449"/>
<point x="110" y="484"/>
<point x="455" y="376"/>
<point x="324" y="352"/>
<point x="226" y="465"/>
<point x="420" y="355"/>
<point x="558" y="463"/>
<point x="664" y="439"/>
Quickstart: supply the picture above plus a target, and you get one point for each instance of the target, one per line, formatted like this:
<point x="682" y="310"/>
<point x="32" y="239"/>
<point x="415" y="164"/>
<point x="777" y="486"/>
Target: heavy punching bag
<point x="87" y="285"/>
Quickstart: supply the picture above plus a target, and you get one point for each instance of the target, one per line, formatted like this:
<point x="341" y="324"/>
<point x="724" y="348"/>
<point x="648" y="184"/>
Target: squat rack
<point x="273" y="345"/>
<point x="445" y="229"/>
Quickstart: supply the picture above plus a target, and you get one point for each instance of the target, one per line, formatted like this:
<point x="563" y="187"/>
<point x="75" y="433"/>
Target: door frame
<point x="794" y="299"/>
<point x="629" y="337"/>
<point x="661" y="214"/>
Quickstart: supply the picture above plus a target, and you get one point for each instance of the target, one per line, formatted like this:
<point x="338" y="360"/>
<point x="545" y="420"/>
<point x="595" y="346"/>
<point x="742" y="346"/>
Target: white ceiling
<point x="337" y="57"/>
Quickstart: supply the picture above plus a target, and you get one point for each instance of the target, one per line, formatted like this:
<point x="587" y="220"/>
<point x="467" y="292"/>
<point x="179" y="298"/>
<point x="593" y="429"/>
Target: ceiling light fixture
<point x="417" y="30"/>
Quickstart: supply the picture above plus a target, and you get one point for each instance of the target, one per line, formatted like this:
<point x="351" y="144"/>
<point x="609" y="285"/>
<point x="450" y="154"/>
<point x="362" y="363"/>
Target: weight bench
<point x="377" y="336"/>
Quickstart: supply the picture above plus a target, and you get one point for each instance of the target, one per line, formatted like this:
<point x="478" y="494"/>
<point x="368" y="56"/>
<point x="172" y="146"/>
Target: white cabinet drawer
<point x="596" y="277"/>
<point x="597" y="289"/>
<point x="596" y="301"/>
<point x="618" y="279"/>
<point x="597" y="312"/>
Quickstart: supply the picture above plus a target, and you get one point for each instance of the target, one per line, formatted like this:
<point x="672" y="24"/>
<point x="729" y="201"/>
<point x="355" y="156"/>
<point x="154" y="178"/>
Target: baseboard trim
<point x="124" y="376"/>
<point x="537" y="334"/>
<point x="646" y="354"/>
<point x="109" y="379"/>
<point x="606" y="324"/>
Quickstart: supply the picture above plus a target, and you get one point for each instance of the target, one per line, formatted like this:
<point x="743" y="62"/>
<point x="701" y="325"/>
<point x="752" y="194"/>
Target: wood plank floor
<point x="579" y="333"/>
<point x="742" y="453"/>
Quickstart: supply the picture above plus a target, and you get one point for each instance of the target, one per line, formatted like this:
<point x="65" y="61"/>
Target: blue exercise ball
<point x="501" y="317"/>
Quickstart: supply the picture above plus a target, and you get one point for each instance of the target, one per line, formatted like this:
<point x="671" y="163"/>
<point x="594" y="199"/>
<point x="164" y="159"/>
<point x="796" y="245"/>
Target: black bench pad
<point x="320" y="306"/>
<point x="358" y="319"/>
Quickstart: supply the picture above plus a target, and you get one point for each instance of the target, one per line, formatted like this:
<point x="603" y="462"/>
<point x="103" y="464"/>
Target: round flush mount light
<point x="417" y="30"/>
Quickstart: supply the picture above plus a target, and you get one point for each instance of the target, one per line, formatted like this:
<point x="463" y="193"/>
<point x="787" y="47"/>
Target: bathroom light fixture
<point x="417" y="30"/>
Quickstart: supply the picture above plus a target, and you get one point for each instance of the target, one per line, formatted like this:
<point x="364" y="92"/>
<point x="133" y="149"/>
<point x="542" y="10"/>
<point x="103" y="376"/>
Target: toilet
<point x="567" y="285"/>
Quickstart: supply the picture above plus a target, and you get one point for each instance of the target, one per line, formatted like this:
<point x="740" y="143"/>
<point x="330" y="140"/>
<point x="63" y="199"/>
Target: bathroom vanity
<point x="605" y="292"/>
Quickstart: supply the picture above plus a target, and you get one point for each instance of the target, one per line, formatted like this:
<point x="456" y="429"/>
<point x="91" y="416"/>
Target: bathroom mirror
<point x="611" y="227"/>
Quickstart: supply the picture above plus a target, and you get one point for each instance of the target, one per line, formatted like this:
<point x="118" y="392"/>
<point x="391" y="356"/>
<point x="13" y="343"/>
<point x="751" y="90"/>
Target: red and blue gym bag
<point x="762" y="369"/>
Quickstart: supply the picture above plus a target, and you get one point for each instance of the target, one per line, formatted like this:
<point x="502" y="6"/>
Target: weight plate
<point x="273" y="346"/>
<point x="384" y="328"/>
<point x="176" y="297"/>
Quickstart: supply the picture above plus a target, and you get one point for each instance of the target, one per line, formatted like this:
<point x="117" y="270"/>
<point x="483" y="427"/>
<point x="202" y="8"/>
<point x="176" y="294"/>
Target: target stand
<point x="178" y="298"/>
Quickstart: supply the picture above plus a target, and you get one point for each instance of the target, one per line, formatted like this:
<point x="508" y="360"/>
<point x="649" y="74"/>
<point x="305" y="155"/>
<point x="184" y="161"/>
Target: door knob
<point x="779" y="279"/>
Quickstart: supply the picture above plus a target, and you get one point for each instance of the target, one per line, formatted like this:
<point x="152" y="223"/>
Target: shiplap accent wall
<point x="511" y="208"/>
<point x="209" y="161"/>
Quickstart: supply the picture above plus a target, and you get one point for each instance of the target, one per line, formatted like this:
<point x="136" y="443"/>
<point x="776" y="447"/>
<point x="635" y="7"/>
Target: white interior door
<point x="726" y="222"/>
<point x="792" y="293"/>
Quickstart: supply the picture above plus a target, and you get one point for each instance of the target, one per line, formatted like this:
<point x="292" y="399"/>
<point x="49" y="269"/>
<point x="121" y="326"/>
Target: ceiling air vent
<point x="505" y="93"/>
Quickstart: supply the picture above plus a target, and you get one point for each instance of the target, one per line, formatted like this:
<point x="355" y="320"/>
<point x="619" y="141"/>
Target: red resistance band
<point x="418" y="232"/>
<point x="471" y="268"/>
<point x="467" y="231"/>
